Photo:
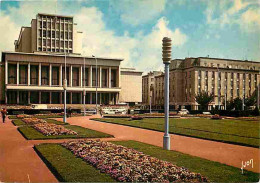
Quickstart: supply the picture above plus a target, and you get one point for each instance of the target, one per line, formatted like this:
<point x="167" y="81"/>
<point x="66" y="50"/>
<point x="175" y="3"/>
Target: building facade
<point x="148" y="87"/>
<point x="50" y="51"/>
<point x="131" y="86"/>
<point x="38" y="78"/>
<point x="50" y="33"/>
<point x="227" y="79"/>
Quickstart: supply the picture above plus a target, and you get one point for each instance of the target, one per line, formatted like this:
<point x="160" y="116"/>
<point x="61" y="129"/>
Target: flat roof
<point x="59" y="55"/>
<point x="235" y="60"/>
<point x="55" y="15"/>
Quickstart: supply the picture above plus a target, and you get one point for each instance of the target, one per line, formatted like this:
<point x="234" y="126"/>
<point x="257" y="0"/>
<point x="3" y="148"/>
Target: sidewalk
<point x="228" y="154"/>
<point x="18" y="161"/>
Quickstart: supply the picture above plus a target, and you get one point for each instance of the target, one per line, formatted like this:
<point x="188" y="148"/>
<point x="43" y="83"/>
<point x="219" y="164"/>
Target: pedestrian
<point x="4" y="114"/>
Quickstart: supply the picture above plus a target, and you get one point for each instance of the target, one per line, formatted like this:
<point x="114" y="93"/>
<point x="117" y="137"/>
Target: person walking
<point x="4" y="114"/>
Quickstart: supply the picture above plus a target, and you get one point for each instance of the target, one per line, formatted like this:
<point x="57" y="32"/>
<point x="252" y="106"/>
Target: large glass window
<point x="75" y="76"/>
<point x="34" y="75"/>
<point x="104" y="78"/>
<point x="55" y="75"/>
<point x="94" y="77"/>
<point x="45" y="75"/>
<point x="23" y="74"/>
<point x="12" y="73"/>
<point x="113" y="77"/>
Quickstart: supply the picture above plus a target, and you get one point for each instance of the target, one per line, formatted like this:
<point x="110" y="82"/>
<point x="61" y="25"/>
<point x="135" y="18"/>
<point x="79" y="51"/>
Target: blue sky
<point x="133" y="29"/>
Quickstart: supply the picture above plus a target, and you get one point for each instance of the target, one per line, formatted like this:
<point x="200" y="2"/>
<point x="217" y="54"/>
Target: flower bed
<point x="53" y="129"/>
<point x="24" y="116"/>
<point x="32" y="121"/>
<point x="124" y="164"/>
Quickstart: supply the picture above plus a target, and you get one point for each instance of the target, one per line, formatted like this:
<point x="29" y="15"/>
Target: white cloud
<point x="244" y="13"/>
<point x="142" y="51"/>
<point x="138" y="12"/>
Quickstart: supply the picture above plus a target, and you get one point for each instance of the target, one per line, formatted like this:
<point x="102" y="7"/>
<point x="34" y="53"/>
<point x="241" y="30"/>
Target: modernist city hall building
<point x="34" y="73"/>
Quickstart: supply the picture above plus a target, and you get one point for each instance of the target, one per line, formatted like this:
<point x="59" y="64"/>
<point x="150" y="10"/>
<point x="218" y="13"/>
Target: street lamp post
<point x="84" y="90"/>
<point x="166" y="57"/>
<point x="96" y="83"/>
<point x="65" y="91"/>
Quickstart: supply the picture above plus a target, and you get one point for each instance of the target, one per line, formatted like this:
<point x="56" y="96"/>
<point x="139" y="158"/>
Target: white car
<point x="183" y="111"/>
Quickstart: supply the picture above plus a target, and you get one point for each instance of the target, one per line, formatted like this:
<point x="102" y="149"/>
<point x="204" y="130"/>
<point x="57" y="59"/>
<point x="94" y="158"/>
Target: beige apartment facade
<point x="225" y="78"/>
<point x="148" y="82"/>
<point x="131" y="86"/>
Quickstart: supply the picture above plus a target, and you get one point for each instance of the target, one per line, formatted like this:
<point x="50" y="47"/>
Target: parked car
<point x="183" y="111"/>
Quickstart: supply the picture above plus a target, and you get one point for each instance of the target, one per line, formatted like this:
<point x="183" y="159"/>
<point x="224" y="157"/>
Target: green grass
<point x="31" y="134"/>
<point x="49" y="116"/>
<point x="230" y="131"/>
<point x="67" y="167"/>
<point x="19" y="122"/>
<point x="214" y="171"/>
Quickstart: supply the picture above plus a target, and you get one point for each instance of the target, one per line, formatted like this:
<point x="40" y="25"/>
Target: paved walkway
<point x="228" y="154"/>
<point x="18" y="161"/>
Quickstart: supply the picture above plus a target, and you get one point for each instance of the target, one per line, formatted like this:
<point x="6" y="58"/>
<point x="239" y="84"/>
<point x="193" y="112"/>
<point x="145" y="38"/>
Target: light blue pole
<point x="166" y="137"/>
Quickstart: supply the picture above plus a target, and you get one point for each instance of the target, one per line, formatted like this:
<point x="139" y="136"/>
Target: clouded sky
<point x="133" y="29"/>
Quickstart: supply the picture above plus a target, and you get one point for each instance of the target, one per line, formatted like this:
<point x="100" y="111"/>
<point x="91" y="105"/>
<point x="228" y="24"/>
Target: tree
<point x="250" y="101"/>
<point x="203" y="99"/>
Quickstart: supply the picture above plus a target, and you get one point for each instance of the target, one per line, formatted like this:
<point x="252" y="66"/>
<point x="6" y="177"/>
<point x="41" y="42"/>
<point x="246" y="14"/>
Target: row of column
<point x="81" y="75"/>
<point x="112" y="97"/>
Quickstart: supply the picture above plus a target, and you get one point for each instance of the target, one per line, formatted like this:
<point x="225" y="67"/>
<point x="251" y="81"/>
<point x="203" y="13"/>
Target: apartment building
<point x="147" y="87"/>
<point x="50" y="33"/>
<point x="225" y="78"/>
<point x="131" y="86"/>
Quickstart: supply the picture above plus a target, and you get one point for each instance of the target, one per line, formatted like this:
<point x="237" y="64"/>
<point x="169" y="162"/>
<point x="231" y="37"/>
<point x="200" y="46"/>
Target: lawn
<point x="230" y="131"/>
<point x="31" y="134"/>
<point x="68" y="168"/>
<point x="19" y="122"/>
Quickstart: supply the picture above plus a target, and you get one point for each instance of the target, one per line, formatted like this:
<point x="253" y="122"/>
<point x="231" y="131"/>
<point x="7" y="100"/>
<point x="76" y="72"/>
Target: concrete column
<point x="100" y="77"/>
<point x="109" y="98"/>
<point x="29" y="74"/>
<point x="17" y="98"/>
<point x="6" y="97"/>
<point x="6" y="72"/>
<point x="70" y="75"/>
<point x="118" y="76"/>
<point x="40" y="74"/>
<point x="80" y="77"/>
<point x="50" y="97"/>
<point x="50" y="74"/>
<point x="70" y="97"/>
<point x="90" y="98"/>
<point x="109" y="77"/>
<point x="90" y="76"/>
<point x="60" y="97"/>
<point x="40" y="97"/>
<point x="60" y="79"/>
<point x="17" y="74"/>
<point x="80" y="98"/>
<point x="29" y="97"/>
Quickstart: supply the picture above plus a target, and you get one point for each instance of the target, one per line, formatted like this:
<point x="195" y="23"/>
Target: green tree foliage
<point x="203" y="99"/>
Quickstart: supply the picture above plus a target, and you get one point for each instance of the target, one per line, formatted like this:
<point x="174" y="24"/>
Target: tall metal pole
<point x="243" y="99"/>
<point x="166" y="57"/>
<point x="96" y="84"/>
<point x="150" y="103"/>
<point x="65" y="91"/>
<point x="219" y="88"/>
<point x="258" y="93"/>
<point x="84" y="90"/>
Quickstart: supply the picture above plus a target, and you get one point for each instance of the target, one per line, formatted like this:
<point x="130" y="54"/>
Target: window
<point x="95" y="81"/>
<point x="34" y="75"/>
<point x="113" y="77"/>
<point x="104" y="78"/>
<point x="45" y="75"/>
<point x="75" y="76"/>
<point x="12" y="73"/>
<point x="86" y="76"/>
<point x="23" y="74"/>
